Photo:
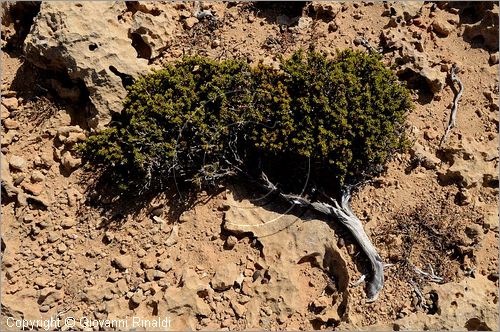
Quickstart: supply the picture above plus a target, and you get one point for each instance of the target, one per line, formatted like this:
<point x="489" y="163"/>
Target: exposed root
<point x="431" y="276"/>
<point x="346" y="216"/>
<point x="421" y="300"/>
<point x="359" y="281"/>
<point x="453" y="115"/>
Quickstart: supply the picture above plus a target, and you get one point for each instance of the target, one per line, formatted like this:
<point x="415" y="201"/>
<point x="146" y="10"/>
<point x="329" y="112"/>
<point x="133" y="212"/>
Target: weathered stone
<point x="149" y="261"/>
<point x="10" y="124"/>
<point x="68" y="222"/>
<point x="173" y="237"/>
<point x="486" y="29"/>
<point x="9" y="137"/>
<point x="69" y="162"/>
<point x="304" y="23"/>
<point x="157" y="274"/>
<point x="41" y="281"/>
<point x="327" y="10"/>
<point x="225" y="276"/>
<point x="4" y="112"/>
<point x="165" y="264"/>
<point x="17" y="163"/>
<point x="238" y="309"/>
<point x="138" y="297"/>
<point x="490" y="220"/>
<point x="230" y="242"/>
<point x="93" y="49"/>
<point x="155" y="31"/>
<point x="33" y="188"/>
<point x="406" y="9"/>
<point x="50" y="295"/>
<point x="37" y="176"/>
<point x="11" y="103"/>
<point x="53" y="237"/>
<point x="494" y="58"/>
<point x="61" y="248"/>
<point x="22" y="305"/>
<point x="441" y="27"/>
<point x="123" y="262"/>
<point x="434" y="77"/>
<point x="190" y="22"/>
<point x="426" y="159"/>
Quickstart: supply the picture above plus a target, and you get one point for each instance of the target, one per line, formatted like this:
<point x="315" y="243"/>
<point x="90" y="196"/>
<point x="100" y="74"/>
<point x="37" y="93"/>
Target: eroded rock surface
<point x="92" y="48"/>
<point x="289" y="241"/>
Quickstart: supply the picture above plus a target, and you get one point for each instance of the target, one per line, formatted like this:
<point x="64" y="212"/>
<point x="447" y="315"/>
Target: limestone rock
<point x="8" y="182"/>
<point x="225" y="276"/>
<point x="138" y="297"/>
<point x="412" y="62"/>
<point x="434" y="77"/>
<point x="485" y="29"/>
<point x="96" y="293"/>
<point x="165" y="264"/>
<point x="467" y="173"/>
<point x="10" y="124"/>
<point x="17" y="163"/>
<point x="4" y="112"/>
<point x="69" y="162"/>
<point x="230" y="242"/>
<point x="190" y="22"/>
<point x="10" y="103"/>
<point x="441" y="27"/>
<point x="33" y="188"/>
<point x="471" y="165"/>
<point x="326" y="10"/>
<point x="427" y="159"/>
<point x="92" y="48"/>
<point x="478" y="311"/>
<point x="173" y="237"/>
<point x="155" y="31"/>
<point x="406" y="9"/>
<point x="185" y="299"/>
<point x="50" y="295"/>
<point x="9" y="137"/>
<point x="490" y="219"/>
<point x="494" y="58"/>
<point x="276" y="227"/>
<point x="123" y="262"/>
<point x="23" y="304"/>
<point x="37" y="176"/>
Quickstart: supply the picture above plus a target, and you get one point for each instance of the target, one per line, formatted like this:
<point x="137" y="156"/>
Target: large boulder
<point x="88" y="42"/>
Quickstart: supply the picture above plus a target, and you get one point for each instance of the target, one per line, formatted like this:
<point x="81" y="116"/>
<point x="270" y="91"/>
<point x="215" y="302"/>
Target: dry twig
<point x="453" y="115"/>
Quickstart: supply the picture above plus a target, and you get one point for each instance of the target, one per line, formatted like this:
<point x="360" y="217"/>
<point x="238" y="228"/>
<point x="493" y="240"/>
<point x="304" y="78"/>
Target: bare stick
<point x="453" y="115"/>
<point x="431" y="276"/>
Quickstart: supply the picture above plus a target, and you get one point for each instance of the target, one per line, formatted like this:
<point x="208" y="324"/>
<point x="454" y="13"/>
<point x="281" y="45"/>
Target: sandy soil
<point x="69" y="254"/>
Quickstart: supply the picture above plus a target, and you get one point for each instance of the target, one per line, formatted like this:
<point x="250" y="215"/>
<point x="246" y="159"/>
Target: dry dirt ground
<point x="66" y="252"/>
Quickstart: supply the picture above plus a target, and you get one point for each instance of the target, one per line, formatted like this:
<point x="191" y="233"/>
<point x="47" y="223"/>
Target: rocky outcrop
<point x="313" y="241"/>
<point x="405" y="10"/>
<point x="155" y="32"/>
<point x="470" y="165"/>
<point x="467" y="305"/>
<point x="96" y="49"/>
<point x="484" y="31"/>
<point x="412" y="63"/>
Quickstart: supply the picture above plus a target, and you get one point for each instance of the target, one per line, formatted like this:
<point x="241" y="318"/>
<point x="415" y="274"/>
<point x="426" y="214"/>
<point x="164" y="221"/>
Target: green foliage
<point x="200" y="120"/>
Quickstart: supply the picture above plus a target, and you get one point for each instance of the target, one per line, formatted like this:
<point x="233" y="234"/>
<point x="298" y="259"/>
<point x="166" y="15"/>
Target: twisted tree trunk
<point x="346" y="216"/>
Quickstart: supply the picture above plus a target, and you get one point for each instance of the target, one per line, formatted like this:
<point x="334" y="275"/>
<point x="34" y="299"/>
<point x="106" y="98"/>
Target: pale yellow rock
<point x="88" y="42"/>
